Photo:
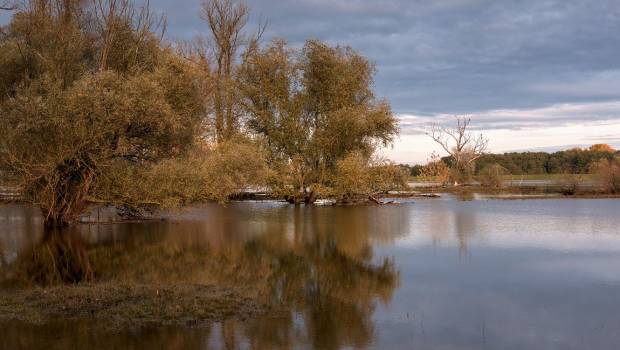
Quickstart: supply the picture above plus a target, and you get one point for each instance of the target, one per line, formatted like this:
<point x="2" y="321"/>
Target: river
<point x="423" y="274"/>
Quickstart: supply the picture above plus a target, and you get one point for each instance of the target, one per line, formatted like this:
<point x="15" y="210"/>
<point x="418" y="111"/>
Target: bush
<point x="352" y="177"/>
<point x="385" y="177"/>
<point x="435" y="171"/>
<point x="607" y="173"/>
<point x="570" y="184"/>
<point x="493" y="175"/>
<point x="212" y="173"/>
<point x="358" y="177"/>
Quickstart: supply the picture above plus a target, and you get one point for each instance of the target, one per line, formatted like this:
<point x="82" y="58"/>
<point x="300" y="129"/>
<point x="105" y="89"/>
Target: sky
<point x="531" y="74"/>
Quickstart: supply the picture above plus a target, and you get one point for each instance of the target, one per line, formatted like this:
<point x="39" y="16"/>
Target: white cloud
<point x="552" y="128"/>
<point x="511" y="119"/>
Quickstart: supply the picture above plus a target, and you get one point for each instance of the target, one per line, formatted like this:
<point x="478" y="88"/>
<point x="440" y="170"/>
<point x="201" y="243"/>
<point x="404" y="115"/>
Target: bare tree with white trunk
<point x="462" y="146"/>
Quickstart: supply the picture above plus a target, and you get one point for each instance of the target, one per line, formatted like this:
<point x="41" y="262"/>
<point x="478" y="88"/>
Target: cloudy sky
<point x="532" y="74"/>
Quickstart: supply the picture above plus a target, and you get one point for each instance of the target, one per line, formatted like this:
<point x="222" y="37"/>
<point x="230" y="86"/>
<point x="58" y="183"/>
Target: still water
<point x="429" y="274"/>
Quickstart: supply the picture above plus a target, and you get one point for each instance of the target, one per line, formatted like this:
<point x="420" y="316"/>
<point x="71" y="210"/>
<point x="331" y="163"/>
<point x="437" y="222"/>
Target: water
<point x="434" y="274"/>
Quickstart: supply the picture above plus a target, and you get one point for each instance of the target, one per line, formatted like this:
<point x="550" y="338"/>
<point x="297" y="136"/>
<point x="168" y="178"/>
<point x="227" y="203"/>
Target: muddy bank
<point x="121" y="306"/>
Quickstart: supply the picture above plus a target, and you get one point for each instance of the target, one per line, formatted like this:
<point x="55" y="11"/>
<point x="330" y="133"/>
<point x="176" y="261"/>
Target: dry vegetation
<point x="607" y="173"/>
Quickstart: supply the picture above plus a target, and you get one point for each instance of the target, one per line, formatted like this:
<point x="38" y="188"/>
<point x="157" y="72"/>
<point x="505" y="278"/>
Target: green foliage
<point x="356" y="177"/>
<point x="94" y="108"/>
<point x="575" y="161"/>
<point x="412" y="170"/>
<point x="66" y="122"/>
<point x="314" y="107"/>
<point x="211" y="173"/>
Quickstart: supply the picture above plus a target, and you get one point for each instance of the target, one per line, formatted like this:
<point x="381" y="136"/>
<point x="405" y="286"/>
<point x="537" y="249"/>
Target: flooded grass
<point x="120" y="306"/>
<point x="154" y="284"/>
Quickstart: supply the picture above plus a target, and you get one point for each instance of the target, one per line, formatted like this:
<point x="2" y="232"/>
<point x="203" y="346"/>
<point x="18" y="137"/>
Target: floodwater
<point x="429" y="274"/>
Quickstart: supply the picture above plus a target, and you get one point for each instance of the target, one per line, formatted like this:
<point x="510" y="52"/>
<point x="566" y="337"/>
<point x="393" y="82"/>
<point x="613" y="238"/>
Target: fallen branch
<point x="373" y="199"/>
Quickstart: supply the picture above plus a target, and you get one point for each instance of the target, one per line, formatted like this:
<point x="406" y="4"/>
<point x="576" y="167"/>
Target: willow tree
<point x="314" y="107"/>
<point x="86" y="86"/>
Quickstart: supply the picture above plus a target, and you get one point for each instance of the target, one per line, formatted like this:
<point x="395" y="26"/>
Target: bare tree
<point x="462" y="146"/>
<point x="110" y="13"/>
<point x="226" y="20"/>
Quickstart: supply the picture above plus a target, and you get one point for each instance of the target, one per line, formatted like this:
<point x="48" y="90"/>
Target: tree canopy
<point x="314" y="107"/>
<point x="85" y="85"/>
<point x="95" y="107"/>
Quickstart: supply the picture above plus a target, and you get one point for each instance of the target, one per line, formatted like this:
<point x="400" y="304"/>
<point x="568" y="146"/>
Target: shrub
<point x="493" y="175"/>
<point x="435" y="171"/>
<point x="352" y="177"/>
<point x="570" y="184"/>
<point x="607" y="173"/>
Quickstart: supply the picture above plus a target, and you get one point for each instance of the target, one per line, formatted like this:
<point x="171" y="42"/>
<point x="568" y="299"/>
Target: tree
<point x="602" y="147"/>
<point x="126" y="33"/>
<point x="67" y="119"/>
<point x="314" y="107"/>
<point x="226" y="20"/>
<point x="463" y="147"/>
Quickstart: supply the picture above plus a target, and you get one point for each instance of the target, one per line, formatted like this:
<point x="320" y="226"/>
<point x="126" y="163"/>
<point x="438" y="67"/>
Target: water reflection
<point x="60" y="257"/>
<point x="85" y="335"/>
<point x="534" y="274"/>
<point x="315" y="264"/>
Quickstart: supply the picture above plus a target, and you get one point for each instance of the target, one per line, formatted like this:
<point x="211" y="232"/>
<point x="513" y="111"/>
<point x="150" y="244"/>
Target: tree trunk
<point x="62" y="194"/>
<point x="310" y="198"/>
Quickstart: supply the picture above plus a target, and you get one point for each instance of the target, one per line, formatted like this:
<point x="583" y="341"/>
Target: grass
<point x="131" y="288"/>
<point x="120" y="306"/>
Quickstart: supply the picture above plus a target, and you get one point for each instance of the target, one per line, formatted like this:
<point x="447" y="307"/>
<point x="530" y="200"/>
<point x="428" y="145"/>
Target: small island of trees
<point x="96" y="107"/>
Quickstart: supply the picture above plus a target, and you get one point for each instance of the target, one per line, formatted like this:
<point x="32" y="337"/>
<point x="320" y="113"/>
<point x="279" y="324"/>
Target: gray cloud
<point x="600" y="113"/>
<point x="457" y="56"/>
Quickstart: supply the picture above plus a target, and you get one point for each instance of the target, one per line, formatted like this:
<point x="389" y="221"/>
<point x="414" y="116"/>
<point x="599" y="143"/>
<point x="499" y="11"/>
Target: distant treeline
<point x="573" y="161"/>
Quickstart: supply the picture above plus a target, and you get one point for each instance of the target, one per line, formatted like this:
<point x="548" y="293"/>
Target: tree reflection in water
<point x="315" y="267"/>
<point x="332" y="293"/>
<point x="61" y="257"/>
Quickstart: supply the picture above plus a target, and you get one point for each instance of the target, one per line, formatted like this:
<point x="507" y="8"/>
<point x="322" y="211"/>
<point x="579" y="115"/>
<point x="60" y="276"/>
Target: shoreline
<point x="425" y="192"/>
